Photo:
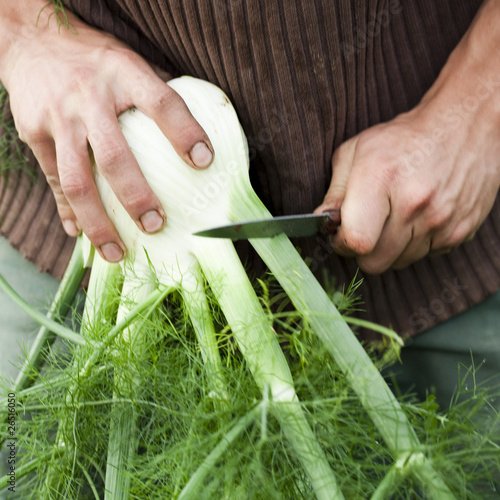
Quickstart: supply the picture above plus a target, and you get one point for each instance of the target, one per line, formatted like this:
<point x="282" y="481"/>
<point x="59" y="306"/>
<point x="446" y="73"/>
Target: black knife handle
<point x="332" y="222"/>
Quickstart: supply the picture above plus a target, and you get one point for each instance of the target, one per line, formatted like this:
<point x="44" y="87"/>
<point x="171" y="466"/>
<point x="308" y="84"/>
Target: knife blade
<point x="302" y="225"/>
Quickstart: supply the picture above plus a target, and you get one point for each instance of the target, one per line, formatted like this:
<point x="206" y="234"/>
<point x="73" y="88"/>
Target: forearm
<point x="469" y="83"/>
<point x="460" y="114"/>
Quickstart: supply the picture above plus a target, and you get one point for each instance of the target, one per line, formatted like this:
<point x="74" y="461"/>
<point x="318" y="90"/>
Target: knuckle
<point x="123" y="54"/>
<point x="136" y="200"/>
<point x="74" y="186"/>
<point x="99" y="233"/>
<point x="111" y="155"/>
<point x="165" y="99"/>
<point x="416" y="202"/>
<point x="63" y="206"/>
<point x="333" y="199"/>
<point x="31" y="133"/>
<point x="81" y="78"/>
<point x="371" y="140"/>
<point x="383" y="179"/>
<point x="342" y="152"/>
<point x="438" y="219"/>
<point x="458" y="236"/>
<point x="64" y="210"/>
<point x="54" y="184"/>
<point x="387" y="173"/>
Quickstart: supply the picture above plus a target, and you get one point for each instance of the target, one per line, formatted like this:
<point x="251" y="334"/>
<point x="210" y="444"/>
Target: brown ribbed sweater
<point x="303" y="77"/>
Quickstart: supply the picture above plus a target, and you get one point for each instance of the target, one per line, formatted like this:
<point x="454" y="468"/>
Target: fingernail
<point x="112" y="252"/>
<point x="71" y="227"/>
<point x="332" y="224"/>
<point x="152" y="221"/>
<point x="201" y="155"/>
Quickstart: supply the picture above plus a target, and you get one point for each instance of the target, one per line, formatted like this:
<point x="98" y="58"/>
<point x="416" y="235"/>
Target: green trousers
<point x="17" y="329"/>
<point x="463" y="351"/>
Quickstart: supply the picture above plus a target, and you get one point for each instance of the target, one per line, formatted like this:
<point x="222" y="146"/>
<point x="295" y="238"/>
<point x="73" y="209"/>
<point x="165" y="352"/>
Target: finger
<point x="169" y="111"/>
<point x="77" y="184"/>
<point x="394" y="241"/>
<point x="45" y="154"/>
<point x="365" y="210"/>
<point x="471" y="235"/>
<point x="164" y="76"/>
<point x="417" y="249"/>
<point x="437" y="253"/>
<point x="341" y="167"/>
<point x="453" y="234"/>
<point x="118" y="165"/>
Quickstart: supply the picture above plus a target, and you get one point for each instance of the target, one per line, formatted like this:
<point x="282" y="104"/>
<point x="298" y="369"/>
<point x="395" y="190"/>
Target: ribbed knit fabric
<point x="304" y="77"/>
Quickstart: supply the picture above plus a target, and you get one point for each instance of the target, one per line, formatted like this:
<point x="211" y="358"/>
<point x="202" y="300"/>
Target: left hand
<point x="424" y="182"/>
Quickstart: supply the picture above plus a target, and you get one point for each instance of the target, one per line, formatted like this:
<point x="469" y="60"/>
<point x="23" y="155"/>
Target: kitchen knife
<point x="291" y="225"/>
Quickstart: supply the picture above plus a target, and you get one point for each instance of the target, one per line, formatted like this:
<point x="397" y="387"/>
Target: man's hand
<point x="66" y="89"/>
<point x="424" y="182"/>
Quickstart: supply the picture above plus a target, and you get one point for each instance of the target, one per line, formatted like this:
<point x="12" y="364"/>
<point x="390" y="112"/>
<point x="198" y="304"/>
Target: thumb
<point x="365" y="211"/>
<point x="361" y="198"/>
<point x="342" y="161"/>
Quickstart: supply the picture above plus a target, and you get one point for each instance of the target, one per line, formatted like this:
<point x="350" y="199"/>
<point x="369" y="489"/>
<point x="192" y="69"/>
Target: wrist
<point x="463" y="105"/>
<point x="20" y="22"/>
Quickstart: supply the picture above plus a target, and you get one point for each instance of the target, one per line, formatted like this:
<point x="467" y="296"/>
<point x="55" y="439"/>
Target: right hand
<point x="66" y="89"/>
